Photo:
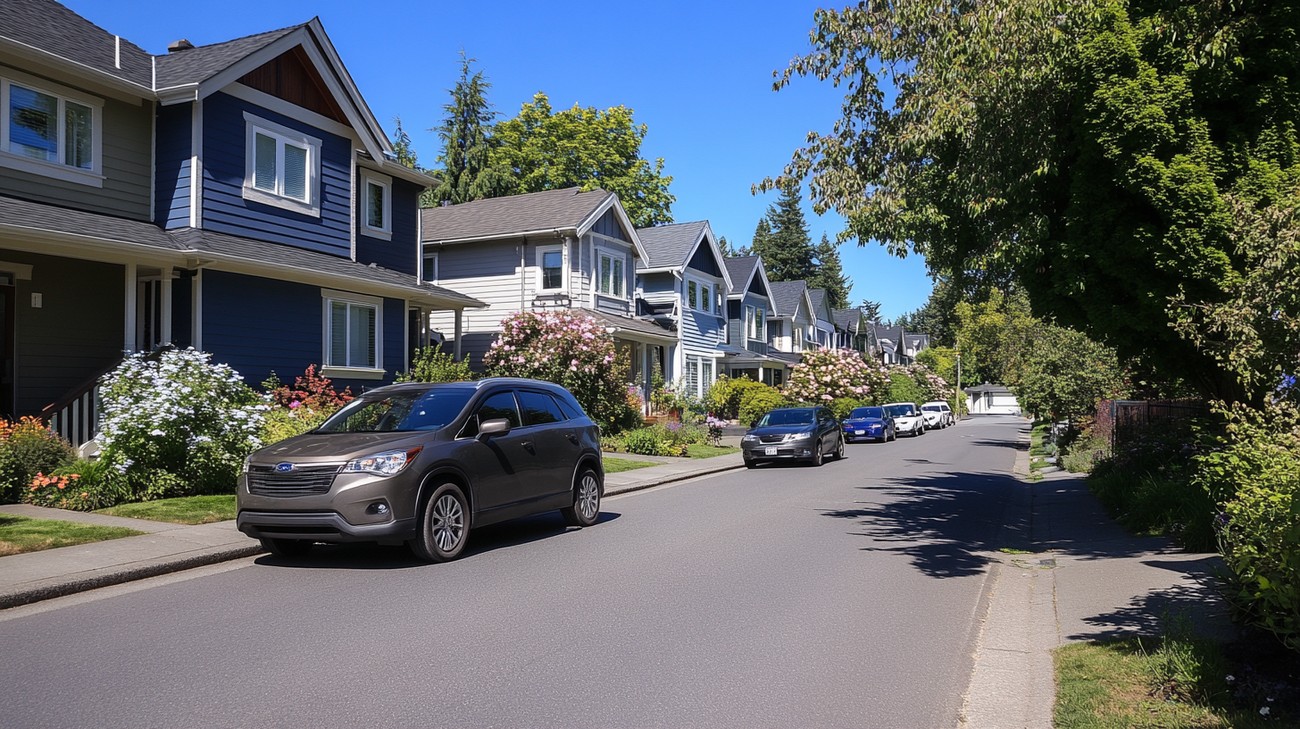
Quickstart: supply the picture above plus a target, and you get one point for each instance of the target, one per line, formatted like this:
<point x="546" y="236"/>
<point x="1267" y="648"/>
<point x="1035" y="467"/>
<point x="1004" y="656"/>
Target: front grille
<point x="301" y="481"/>
<point x="772" y="438"/>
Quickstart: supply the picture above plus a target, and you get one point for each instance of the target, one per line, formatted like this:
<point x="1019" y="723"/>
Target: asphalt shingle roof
<point x="50" y="27"/>
<point x="504" y="216"/>
<point x="848" y="319"/>
<point x="818" y="297"/>
<point x="42" y="217"/>
<point x="670" y="246"/>
<point x="740" y="269"/>
<point x="786" y="296"/>
<point x="631" y="324"/>
<point x="200" y="63"/>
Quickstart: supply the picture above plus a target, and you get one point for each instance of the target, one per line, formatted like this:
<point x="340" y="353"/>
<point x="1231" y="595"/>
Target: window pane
<point x="705" y="298"/>
<point x="618" y="277"/>
<point x="375" y="205"/>
<point x="264" y="162"/>
<point x="606" y="275"/>
<point x="552" y="270"/>
<point x="33" y="124"/>
<point x="338" y="333"/>
<point x="295" y="172"/>
<point x="77" y="135"/>
<point x="539" y="408"/>
<point x="500" y="405"/>
<point x="361" y="336"/>
<point x="691" y="294"/>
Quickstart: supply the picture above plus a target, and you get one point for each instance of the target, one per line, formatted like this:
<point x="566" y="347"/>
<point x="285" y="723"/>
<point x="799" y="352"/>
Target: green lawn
<point x="614" y="464"/>
<point x="184" y="510"/>
<point x="19" y="534"/>
<point x="701" y="450"/>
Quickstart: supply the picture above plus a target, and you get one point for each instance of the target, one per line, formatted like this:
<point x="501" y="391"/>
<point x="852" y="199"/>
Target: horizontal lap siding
<point x="224" y="207"/>
<point x="488" y="272"/>
<point x="257" y="325"/>
<point x="175" y="137"/>
<point x="126" y="158"/>
<point x="400" y="253"/>
<point x="700" y="332"/>
<point x="77" y="331"/>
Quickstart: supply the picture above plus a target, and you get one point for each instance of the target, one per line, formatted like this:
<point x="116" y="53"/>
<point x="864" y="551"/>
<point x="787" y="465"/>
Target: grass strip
<point x="19" y="534"/>
<point x="702" y="450"/>
<point x="618" y="465"/>
<point x="182" y="510"/>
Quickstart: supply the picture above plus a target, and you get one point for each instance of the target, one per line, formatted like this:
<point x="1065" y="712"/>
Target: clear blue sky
<point x="698" y="74"/>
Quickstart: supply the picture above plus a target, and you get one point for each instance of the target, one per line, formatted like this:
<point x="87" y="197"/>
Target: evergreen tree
<point x="405" y="153"/>
<point x="870" y="309"/>
<point x="830" y="274"/>
<point x="467" y="173"/>
<point x="782" y="239"/>
<point x="725" y="247"/>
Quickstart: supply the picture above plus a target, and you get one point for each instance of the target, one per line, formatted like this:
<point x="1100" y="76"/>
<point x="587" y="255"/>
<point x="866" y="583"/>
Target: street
<point x="845" y="596"/>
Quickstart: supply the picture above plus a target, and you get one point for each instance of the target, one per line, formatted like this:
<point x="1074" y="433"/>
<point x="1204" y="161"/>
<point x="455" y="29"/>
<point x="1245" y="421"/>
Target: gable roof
<point x="743" y="270"/>
<point x="786" y="296"/>
<point x="849" y="320"/>
<point x="46" y="30"/>
<point x="673" y="246"/>
<point x="545" y="213"/>
<point x="200" y="63"/>
<point x="821" y="304"/>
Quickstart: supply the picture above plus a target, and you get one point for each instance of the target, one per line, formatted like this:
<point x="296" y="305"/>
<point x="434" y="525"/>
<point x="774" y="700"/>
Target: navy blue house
<point x="239" y="198"/>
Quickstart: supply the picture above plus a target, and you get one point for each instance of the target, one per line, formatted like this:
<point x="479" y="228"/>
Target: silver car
<point x="423" y="464"/>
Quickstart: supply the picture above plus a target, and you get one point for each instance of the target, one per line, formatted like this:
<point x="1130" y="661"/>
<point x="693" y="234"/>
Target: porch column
<point x="165" y="294"/>
<point x="459" y="314"/>
<point x="129" y="315"/>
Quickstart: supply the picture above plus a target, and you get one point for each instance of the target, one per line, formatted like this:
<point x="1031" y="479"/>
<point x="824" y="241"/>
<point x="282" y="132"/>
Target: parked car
<point x="424" y="464"/>
<point x="793" y="434"/>
<point x="937" y="414"/>
<point x="907" y="417"/>
<point x="869" y="423"/>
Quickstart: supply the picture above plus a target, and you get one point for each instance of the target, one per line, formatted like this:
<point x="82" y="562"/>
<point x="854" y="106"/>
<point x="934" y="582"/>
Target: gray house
<point x="683" y="282"/>
<point x="792" y="329"/>
<point x="749" y="311"/>
<point x="854" y="331"/>
<point x="824" y="318"/>
<point x="544" y="250"/>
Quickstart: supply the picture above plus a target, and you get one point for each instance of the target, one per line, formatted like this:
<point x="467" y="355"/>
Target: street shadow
<point x="1198" y="604"/>
<point x="482" y="540"/>
<point x="943" y="523"/>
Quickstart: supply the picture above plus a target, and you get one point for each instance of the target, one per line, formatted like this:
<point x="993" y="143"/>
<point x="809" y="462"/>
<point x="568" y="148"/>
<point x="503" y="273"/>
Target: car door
<point x="500" y="467"/>
<point x="556" y="439"/>
<point x="828" y="429"/>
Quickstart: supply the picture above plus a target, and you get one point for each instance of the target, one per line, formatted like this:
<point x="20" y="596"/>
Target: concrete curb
<point x="671" y="478"/>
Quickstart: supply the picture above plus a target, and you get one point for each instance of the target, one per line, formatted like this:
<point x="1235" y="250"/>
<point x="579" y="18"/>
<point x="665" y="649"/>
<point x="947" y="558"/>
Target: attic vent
<point x="179" y="45"/>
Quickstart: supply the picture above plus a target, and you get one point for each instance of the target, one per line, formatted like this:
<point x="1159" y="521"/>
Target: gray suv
<point x="423" y="463"/>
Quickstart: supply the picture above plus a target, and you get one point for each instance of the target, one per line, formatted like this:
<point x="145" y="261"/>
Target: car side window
<point x="498" y="405"/>
<point x="539" y="408"/>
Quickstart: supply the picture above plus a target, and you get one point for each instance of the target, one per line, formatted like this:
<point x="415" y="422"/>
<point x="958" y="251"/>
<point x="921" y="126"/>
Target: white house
<point x="989" y="399"/>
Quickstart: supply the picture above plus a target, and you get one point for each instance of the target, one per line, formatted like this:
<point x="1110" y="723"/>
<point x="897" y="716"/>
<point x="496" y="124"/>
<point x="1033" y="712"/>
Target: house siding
<point x="760" y="302"/>
<point x="224" y="207"/>
<point x="126" y="161"/>
<point x="61" y="344"/>
<point x="175" y="144"/>
<point x="610" y="226"/>
<point x="609" y="304"/>
<point x="490" y="273"/>
<point x="399" y="253"/>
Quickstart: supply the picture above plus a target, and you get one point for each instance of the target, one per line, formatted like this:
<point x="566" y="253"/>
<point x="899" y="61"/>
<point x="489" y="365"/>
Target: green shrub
<point x="27" y="448"/>
<point x="757" y="401"/>
<point x="1084" y="452"/>
<point x="282" y="423"/>
<point x="842" y="406"/>
<point x="903" y="387"/>
<point x="724" y="397"/>
<point x="431" y="364"/>
<point x="648" y="442"/>
<point x="81" y="486"/>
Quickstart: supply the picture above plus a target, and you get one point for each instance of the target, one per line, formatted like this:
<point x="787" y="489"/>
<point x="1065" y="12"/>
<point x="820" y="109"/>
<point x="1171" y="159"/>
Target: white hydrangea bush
<point x="174" y="423"/>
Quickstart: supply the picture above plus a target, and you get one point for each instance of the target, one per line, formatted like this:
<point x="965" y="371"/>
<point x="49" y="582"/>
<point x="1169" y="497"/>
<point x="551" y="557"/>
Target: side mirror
<point x="496" y="426"/>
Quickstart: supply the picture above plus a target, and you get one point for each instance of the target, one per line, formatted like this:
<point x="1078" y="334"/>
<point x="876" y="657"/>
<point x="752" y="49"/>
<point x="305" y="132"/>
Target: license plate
<point x="859" y="432"/>
<point x="769" y="451"/>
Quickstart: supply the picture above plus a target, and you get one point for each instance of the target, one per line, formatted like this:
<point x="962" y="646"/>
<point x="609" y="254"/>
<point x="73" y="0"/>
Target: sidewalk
<point x="1082" y="578"/>
<point x="165" y="548"/>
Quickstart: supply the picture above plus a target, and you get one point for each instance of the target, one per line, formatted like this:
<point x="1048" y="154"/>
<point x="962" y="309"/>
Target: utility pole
<point x="956" y="396"/>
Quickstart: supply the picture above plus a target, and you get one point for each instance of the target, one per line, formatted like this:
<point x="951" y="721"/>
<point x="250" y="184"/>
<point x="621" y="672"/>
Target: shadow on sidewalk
<point x="1196" y="601"/>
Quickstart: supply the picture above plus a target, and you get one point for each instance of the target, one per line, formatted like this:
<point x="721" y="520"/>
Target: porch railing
<point x="75" y="416"/>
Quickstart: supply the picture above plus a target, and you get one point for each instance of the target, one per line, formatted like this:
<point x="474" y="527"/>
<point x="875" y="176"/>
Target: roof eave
<point x="121" y="88"/>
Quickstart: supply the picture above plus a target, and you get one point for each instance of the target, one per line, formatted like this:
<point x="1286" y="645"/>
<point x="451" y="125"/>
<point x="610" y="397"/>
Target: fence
<point x="1116" y="417"/>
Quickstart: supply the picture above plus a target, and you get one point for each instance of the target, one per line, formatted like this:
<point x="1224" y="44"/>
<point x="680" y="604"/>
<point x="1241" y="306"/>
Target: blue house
<point x="239" y="198"/>
<point x="749" y="311"/>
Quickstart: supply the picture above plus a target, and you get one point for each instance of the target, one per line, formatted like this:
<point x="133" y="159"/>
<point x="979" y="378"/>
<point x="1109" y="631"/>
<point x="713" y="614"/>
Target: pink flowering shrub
<point x="829" y="374"/>
<point x="568" y="348"/>
<point x="932" y="386"/>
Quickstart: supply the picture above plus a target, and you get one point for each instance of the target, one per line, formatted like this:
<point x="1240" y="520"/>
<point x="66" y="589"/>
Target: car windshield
<point x="408" y="410"/>
<point x="931" y="408"/>
<point x="787" y="417"/>
<point x="867" y="413"/>
<point x="900" y="411"/>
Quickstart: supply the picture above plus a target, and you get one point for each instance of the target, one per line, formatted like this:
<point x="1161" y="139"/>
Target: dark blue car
<point x="869" y="423"/>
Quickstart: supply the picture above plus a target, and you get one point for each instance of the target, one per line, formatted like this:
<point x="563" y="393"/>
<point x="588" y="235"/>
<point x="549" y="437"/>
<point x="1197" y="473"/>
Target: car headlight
<point x="750" y="438"/>
<point x="388" y="463"/>
<point x="799" y="436"/>
<point x="247" y="460"/>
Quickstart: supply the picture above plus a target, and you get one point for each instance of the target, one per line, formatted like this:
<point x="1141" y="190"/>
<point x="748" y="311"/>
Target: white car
<point x="907" y="418"/>
<point x="937" y="414"/>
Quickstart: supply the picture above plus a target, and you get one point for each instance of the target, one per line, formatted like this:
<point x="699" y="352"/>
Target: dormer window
<point x="612" y="281"/>
<point x="51" y="132"/>
<point x="376" y="205"/>
<point x="282" y="166"/>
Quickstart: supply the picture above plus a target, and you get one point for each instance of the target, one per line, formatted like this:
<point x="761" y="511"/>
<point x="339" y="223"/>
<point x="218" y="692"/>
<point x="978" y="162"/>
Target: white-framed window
<point x="550" y="269"/>
<point x="612" y="280"/>
<point x="756" y="323"/>
<point x="429" y="266"/>
<point x="376" y="205"/>
<point x="353" y="333"/>
<point x="692" y="295"/>
<point x="702" y="296"/>
<point x="798" y="339"/>
<point x="50" y="130"/>
<point x="281" y="166"/>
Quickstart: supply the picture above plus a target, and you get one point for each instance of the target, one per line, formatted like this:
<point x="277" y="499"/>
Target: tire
<point x="818" y="458"/>
<point x="751" y="464"/>
<point x="286" y="547"/>
<point x="444" y="525"/>
<point x="586" y="500"/>
<point x="839" y="451"/>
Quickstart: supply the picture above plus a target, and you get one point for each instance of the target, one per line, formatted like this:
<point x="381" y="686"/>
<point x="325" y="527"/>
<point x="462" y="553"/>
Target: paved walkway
<point x="164" y="548"/>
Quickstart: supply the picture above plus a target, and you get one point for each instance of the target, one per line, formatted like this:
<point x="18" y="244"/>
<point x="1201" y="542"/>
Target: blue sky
<point x="699" y="75"/>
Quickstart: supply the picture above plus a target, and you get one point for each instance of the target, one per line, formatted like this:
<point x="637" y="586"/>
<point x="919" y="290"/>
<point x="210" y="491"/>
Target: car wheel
<point x="286" y="547"/>
<point x="818" y="457"/>
<point x="751" y="464"/>
<point x="444" y="525"/>
<point x="586" y="500"/>
<point x="839" y="450"/>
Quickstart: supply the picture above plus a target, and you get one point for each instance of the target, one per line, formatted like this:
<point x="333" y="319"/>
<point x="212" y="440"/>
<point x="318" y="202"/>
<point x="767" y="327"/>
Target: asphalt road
<point x="845" y="596"/>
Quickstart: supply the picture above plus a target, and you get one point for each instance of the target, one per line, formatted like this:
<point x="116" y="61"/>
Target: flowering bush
<point x="312" y="390"/>
<point x="431" y="364"/>
<point x="715" y="426"/>
<point x="568" y="348"/>
<point x="932" y="386"/>
<point x="827" y="374"/>
<point x="27" y="448"/>
<point x="81" y="486"/>
<point x="178" y="425"/>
